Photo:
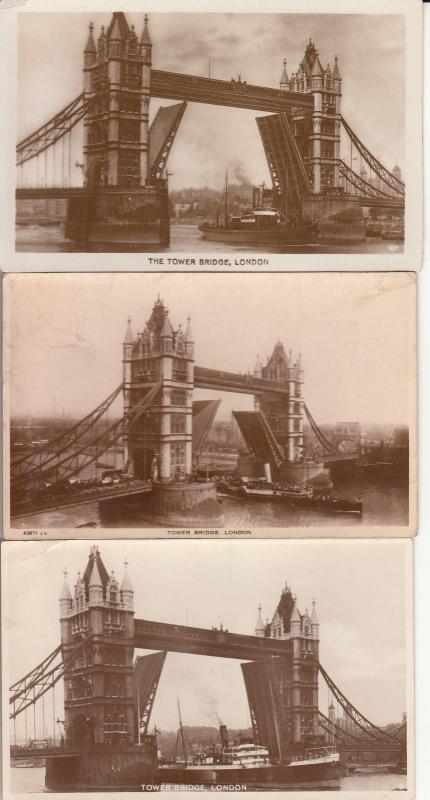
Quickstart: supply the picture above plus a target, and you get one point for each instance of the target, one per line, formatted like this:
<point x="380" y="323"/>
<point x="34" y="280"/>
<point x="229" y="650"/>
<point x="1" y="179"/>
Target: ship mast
<point x="182" y="731"/>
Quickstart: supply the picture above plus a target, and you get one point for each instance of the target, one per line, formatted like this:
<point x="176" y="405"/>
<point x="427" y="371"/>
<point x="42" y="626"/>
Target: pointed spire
<point x="167" y="329"/>
<point x="128" y="338"/>
<point x="95" y="579"/>
<point x="115" y="31"/>
<point x="90" y="46"/>
<point x="258" y="367"/>
<point x="314" y="617"/>
<point x="78" y="584"/>
<point x="336" y="71"/>
<point x="284" y="76"/>
<point x="317" y="69"/>
<point x="295" y="614"/>
<point x="188" y="333"/>
<point x="65" y="591"/>
<point x="126" y="582"/>
<point x="145" y="38"/>
<point x="259" y="625"/>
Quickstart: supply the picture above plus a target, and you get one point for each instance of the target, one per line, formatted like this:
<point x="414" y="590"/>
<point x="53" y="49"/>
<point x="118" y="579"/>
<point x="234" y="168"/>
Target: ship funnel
<point x="224" y="736"/>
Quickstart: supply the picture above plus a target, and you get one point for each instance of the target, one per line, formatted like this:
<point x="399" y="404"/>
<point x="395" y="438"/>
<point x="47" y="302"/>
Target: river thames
<point x="382" y="505"/>
<point x="32" y="780"/>
<point x="188" y="239"/>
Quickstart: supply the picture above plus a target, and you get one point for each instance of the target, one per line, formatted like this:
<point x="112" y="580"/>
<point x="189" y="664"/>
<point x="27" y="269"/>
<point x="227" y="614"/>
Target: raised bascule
<point x="162" y="430"/>
<point x="124" y="200"/>
<point x="109" y="694"/>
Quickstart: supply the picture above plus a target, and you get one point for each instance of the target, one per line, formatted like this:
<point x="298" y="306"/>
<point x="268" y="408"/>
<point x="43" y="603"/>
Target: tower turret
<point x="259" y="625"/>
<point x="95" y="585"/>
<point x="145" y="39"/>
<point x="284" y="82"/>
<point x="90" y="51"/>
<point x="258" y="367"/>
<point x="296" y="620"/>
<point x="315" y="626"/>
<point x="101" y="44"/>
<point x="166" y="335"/>
<point x="336" y="71"/>
<point x="189" y="338"/>
<point x="128" y="338"/>
<point x="66" y="605"/>
<point x="66" y="600"/>
<point x="115" y="37"/>
<point x="127" y="593"/>
<point x="145" y="47"/>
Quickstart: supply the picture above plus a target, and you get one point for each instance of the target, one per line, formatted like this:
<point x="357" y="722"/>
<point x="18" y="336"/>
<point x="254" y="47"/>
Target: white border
<point x="10" y="551"/>
<point x="410" y="259"/>
<point x="176" y="531"/>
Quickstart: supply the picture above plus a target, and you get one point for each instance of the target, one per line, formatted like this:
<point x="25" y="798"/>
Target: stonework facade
<point x="98" y="682"/>
<point x="318" y="136"/>
<point x="117" y="78"/>
<point x="160" y="444"/>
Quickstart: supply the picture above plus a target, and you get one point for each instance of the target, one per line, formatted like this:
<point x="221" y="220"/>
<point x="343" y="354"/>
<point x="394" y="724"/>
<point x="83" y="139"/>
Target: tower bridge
<point x="124" y="197"/>
<point x="109" y="695"/>
<point x="162" y="429"/>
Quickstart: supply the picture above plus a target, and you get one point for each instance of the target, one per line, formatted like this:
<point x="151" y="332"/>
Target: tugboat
<point x="290" y="494"/>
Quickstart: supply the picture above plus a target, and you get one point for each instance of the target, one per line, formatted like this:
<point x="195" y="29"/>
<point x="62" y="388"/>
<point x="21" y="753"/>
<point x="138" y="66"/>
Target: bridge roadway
<point x="65" y="192"/>
<point x="149" y="635"/>
<point x="234" y="382"/>
<point x="233" y="93"/>
<point x="81" y="498"/>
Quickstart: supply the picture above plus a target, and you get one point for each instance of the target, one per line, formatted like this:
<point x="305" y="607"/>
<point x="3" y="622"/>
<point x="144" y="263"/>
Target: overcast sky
<point x="359" y="588"/>
<point x="355" y="333"/>
<point x="370" y="48"/>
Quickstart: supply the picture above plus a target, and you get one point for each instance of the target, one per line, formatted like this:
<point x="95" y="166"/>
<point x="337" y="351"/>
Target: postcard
<point x="285" y="138"/>
<point x="228" y="405"/>
<point x="153" y="666"/>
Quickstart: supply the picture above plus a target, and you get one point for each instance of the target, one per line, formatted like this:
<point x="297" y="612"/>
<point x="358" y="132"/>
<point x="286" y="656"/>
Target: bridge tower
<point x="318" y="136"/>
<point x="160" y="444"/>
<point x="124" y="202"/>
<point x="118" y="70"/>
<point x="285" y="416"/>
<point x="283" y="693"/>
<point x="99" y="701"/>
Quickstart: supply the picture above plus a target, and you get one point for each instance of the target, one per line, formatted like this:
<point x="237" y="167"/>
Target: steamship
<point x="259" y="227"/>
<point x="248" y="766"/>
<point x="262" y="490"/>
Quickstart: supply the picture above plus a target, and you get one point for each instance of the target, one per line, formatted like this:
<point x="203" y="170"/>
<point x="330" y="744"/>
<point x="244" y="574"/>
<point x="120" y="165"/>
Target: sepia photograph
<point x="210" y="133"/>
<point x="210" y="404"/>
<point x="121" y="673"/>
